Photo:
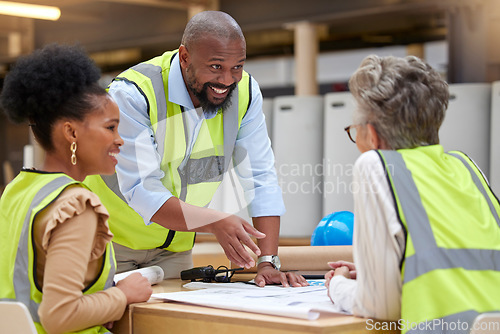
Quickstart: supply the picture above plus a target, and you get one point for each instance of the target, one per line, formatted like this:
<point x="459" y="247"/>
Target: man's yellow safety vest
<point x="192" y="178"/>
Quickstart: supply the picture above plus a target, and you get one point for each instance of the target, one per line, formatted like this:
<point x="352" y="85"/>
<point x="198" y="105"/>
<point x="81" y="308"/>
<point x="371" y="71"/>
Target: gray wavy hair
<point x="404" y="99"/>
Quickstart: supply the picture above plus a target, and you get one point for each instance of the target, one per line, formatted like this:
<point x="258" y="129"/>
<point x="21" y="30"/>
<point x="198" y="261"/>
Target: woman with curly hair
<point x="56" y="255"/>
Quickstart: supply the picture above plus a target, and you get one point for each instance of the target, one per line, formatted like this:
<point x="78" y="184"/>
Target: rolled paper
<point x="154" y="274"/>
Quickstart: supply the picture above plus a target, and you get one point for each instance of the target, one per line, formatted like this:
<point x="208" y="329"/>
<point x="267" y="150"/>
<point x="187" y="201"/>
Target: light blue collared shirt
<point x="138" y="169"/>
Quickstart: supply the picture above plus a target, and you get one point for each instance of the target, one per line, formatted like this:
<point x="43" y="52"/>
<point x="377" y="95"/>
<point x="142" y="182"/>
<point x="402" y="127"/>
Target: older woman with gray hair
<point x="427" y="237"/>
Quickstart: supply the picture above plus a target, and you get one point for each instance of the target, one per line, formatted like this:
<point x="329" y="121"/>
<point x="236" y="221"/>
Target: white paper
<point x="301" y="302"/>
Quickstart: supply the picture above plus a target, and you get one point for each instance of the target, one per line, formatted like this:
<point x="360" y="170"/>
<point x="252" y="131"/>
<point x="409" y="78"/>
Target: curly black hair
<point x="54" y="82"/>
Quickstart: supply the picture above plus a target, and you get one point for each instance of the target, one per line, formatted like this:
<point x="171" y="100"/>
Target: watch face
<point x="276" y="262"/>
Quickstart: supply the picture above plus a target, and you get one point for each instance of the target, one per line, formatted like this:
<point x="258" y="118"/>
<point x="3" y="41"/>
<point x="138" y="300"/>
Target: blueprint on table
<point x="301" y="302"/>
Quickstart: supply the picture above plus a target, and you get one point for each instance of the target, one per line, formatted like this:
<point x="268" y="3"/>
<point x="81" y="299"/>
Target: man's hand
<point x="266" y="274"/>
<point x="232" y="233"/>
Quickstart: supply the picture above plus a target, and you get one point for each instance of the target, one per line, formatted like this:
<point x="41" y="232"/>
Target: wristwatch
<point x="273" y="259"/>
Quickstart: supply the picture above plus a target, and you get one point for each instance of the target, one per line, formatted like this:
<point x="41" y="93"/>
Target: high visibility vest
<point x="28" y="194"/>
<point x="194" y="177"/>
<point x="451" y="266"/>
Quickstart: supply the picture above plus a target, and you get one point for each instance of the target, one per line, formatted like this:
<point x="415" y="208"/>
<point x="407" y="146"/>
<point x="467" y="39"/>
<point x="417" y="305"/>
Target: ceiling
<point x="119" y="33"/>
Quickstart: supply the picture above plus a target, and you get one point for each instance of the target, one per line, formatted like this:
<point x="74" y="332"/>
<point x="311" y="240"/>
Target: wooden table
<point x="173" y="317"/>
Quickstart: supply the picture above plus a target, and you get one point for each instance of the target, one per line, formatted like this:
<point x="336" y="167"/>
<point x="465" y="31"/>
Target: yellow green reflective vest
<point x="28" y="194"/>
<point x="451" y="267"/>
<point x="192" y="178"/>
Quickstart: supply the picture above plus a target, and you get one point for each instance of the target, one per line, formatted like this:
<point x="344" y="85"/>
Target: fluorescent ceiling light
<point x="31" y="11"/>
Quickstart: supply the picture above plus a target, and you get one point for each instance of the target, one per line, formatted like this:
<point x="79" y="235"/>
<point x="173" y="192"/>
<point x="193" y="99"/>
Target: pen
<point x="248" y="282"/>
<point x="314" y="276"/>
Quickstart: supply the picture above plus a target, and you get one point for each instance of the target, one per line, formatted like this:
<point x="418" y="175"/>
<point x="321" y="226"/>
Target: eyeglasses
<point x="351" y="132"/>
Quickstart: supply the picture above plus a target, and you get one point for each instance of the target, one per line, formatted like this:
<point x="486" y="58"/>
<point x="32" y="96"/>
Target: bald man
<point x="187" y="117"/>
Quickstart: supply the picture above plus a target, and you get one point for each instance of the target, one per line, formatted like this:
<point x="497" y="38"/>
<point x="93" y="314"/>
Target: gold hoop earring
<point x="73" y="153"/>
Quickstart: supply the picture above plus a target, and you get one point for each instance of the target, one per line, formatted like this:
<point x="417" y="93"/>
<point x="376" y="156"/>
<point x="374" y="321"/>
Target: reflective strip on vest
<point x="459" y="323"/>
<point x="112" y="270"/>
<point x="480" y="186"/>
<point x="149" y="70"/>
<point x="22" y="284"/>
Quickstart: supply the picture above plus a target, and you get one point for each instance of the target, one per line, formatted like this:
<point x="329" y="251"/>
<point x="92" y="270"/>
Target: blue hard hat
<point x="334" y="229"/>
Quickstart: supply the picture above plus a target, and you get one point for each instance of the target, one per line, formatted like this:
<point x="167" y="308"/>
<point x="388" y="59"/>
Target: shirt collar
<point x="177" y="90"/>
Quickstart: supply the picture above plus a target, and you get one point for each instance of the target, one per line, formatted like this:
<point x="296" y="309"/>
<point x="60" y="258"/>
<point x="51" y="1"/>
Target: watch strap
<point x="265" y="258"/>
<point x="270" y="259"/>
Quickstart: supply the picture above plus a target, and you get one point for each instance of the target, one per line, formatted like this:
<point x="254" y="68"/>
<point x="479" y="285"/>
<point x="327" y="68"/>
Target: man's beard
<point x="207" y="106"/>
